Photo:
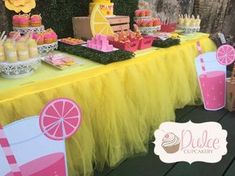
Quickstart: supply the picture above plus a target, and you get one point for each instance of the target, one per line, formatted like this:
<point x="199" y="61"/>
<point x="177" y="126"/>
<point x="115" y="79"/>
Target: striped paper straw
<point x="203" y="66"/>
<point x="4" y="143"/>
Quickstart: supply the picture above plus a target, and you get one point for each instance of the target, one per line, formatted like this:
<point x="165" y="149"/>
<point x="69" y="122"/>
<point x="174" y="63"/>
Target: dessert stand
<point x="149" y="30"/>
<point x="189" y="30"/>
<point x="142" y="18"/>
<point x="46" y="48"/>
<point x="24" y="30"/>
<point x="19" y="69"/>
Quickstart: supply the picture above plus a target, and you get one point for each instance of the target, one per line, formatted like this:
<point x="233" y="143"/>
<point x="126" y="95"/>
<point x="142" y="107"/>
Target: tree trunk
<point x="186" y="6"/>
<point x="229" y="22"/>
<point x="3" y="17"/>
<point x="212" y="13"/>
<point x="173" y="8"/>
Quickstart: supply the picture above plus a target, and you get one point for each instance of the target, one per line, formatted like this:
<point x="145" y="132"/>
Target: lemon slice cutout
<point x="99" y="24"/>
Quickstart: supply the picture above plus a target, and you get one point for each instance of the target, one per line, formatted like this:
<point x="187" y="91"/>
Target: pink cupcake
<point x="16" y="20"/>
<point x="144" y="23"/>
<point x="156" y="22"/>
<point x="138" y="13"/>
<point x="40" y="39"/>
<point x="36" y="20"/>
<point x="48" y="38"/>
<point x="35" y="36"/>
<point x="24" y="20"/>
<point x="54" y="36"/>
<point x="142" y="13"/>
<point x="150" y="23"/>
<point x="147" y="12"/>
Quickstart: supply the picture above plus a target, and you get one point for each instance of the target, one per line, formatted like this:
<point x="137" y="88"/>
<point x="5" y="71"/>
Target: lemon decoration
<point x="28" y="6"/>
<point x="99" y="24"/>
<point x="17" y="2"/>
<point x="10" y="6"/>
<point x="20" y="5"/>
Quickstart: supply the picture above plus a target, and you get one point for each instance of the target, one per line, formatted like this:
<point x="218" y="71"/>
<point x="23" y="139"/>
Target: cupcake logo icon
<point x="171" y="143"/>
<point x="190" y="142"/>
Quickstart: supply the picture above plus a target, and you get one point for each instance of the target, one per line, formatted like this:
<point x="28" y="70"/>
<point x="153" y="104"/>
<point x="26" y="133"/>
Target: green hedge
<point x="58" y="14"/>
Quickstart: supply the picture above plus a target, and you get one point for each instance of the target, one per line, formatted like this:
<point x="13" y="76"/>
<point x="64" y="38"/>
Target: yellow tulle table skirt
<point x="122" y="103"/>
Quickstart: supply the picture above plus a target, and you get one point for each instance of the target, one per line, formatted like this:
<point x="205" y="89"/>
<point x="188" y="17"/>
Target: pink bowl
<point x="168" y="27"/>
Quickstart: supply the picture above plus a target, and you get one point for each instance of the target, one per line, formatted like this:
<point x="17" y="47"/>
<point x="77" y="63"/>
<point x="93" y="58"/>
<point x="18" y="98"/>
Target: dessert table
<point x="122" y="103"/>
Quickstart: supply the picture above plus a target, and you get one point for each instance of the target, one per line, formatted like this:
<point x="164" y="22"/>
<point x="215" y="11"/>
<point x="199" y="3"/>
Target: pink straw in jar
<point x="4" y="143"/>
<point x="203" y="65"/>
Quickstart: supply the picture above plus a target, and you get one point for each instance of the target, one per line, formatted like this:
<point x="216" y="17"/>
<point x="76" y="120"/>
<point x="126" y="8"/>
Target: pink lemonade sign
<point x="211" y="77"/>
<point x="60" y="119"/>
<point x="37" y="144"/>
<point x="225" y="55"/>
<point x="190" y="142"/>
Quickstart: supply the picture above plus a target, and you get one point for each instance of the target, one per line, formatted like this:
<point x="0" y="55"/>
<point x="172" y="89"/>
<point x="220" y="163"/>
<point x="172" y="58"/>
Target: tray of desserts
<point x="189" y="24"/>
<point x="25" y="23"/>
<point x="72" y="41"/>
<point x="46" y="48"/>
<point x="19" y="69"/>
<point x="60" y="61"/>
<point x="18" y="58"/>
<point x="100" y="43"/>
<point x="46" y="40"/>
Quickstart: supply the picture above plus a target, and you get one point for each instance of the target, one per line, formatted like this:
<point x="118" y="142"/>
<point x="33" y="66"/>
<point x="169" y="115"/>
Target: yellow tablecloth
<point x="122" y="103"/>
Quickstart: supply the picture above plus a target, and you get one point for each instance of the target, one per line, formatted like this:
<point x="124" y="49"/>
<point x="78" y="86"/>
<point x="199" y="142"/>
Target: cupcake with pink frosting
<point x="16" y="20"/>
<point x="54" y="36"/>
<point x="50" y="36"/>
<point x="24" y="20"/>
<point x="36" y="20"/>
<point x="171" y="143"/>
<point x="39" y="38"/>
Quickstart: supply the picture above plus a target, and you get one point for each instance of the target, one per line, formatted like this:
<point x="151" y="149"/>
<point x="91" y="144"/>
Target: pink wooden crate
<point x="118" y="20"/>
<point x="117" y="28"/>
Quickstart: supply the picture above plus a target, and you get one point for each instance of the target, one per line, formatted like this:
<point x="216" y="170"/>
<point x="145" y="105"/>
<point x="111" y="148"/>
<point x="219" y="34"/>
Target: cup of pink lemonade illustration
<point x="35" y="146"/>
<point x="211" y="77"/>
<point x="213" y="89"/>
